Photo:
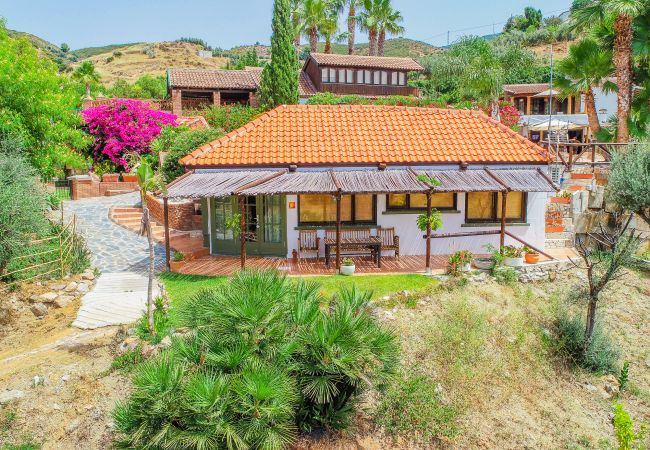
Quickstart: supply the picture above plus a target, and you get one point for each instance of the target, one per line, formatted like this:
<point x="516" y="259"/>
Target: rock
<point x="131" y="331"/>
<point x="82" y="288"/>
<point x="128" y="344"/>
<point x="33" y="298"/>
<point x="88" y="276"/>
<point x="48" y="297"/>
<point x="610" y="389"/>
<point x="65" y="378"/>
<point x="166" y="342"/>
<point x="71" y="286"/>
<point x="10" y="396"/>
<point x="438" y="389"/>
<point x="56" y="407"/>
<point x="57" y="287"/>
<point x="63" y="300"/>
<point x="149" y="350"/>
<point x="39" y="381"/>
<point x="39" y="310"/>
<point x="73" y="425"/>
<point x="590" y="387"/>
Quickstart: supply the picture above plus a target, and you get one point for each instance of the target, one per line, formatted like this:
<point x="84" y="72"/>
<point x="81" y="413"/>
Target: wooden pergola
<point x="339" y="182"/>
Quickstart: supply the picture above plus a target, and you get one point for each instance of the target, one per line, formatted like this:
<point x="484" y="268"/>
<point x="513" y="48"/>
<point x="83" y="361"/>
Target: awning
<point x="223" y="184"/>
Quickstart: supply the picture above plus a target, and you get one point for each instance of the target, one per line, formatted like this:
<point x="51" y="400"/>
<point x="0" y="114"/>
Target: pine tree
<point x="279" y="83"/>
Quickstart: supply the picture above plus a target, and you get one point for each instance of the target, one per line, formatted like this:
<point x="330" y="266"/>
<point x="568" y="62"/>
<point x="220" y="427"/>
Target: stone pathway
<point x="122" y="256"/>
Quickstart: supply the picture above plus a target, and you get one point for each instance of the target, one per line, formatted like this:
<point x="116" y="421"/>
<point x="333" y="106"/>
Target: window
<point x="341" y="75"/>
<point x="439" y="200"/>
<point x="359" y="76"/>
<point x="384" y="77"/>
<point x="320" y="209"/>
<point x="222" y="213"/>
<point x="486" y="207"/>
<point x="376" y="77"/>
<point x="367" y="77"/>
<point x="332" y="75"/>
<point x="325" y="75"/>
<point x="350" y="76"/>
<point x="402" y="78"/>
<point x="393" y="78"/>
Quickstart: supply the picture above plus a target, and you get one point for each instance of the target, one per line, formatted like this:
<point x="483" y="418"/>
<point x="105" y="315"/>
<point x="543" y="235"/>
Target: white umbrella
<point x="555" y="125"/>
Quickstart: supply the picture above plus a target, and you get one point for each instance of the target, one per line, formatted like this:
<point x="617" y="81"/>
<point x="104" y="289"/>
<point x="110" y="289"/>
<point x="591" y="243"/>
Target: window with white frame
<point x="393" y="78"/>
<point x="349" y="76"/>
<point x="402" y="78"/>
<point x="325" y="75"/>
<point x="332" y="75"/>
<point x="376" y="77"/>
<point x="359" y="76"/>
<point x="384" y="77"/>
<point x="367" y="75"/>
<point x="341" y="75"/>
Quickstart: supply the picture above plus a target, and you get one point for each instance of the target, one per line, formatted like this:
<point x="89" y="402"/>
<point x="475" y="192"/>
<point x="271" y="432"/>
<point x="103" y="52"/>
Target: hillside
<point x="47" y="48"/>
<point x="133" y="61"/>
<point x="88" y="52"/>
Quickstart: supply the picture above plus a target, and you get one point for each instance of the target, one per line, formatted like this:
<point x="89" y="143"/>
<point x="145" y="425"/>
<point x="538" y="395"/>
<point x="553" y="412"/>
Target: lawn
<point x="181" y="286"/>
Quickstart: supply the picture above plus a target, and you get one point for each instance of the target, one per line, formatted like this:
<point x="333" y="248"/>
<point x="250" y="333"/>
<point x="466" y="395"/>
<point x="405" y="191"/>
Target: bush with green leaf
<point x="183" y="144"/>
<point x="265" y="358"/>
<point x="228" y="118"/>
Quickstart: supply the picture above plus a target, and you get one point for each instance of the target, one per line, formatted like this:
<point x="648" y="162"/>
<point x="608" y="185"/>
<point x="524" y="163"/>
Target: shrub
<point x="505" y="275"/>
<point x="228" y="118"/>
<point x="601" y="357"/>
<point x="627" y="438"/>
<point x="262" y="360"/>
<point x="411" y="406"/>
<point x="182" y="145"/>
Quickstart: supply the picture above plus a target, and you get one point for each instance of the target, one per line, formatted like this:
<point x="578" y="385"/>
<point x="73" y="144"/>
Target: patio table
<point x="372" y="242"/>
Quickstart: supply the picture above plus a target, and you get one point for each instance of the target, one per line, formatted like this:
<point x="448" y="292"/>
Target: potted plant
<point x="178" y="261"/>
<point x="489" y="262"/>
<point x="129" y="178"/>
<point x="347" y="266"/>
<point x="461" y="261"/>
<point x="563" y="197"/>
<point x="531" y="256"/>
<point x="513" y="256"/>
<point x="110" y="177"/>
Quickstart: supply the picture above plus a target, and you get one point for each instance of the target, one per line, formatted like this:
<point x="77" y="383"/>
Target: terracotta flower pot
<point x="175" y="266"/>
<point x="562" y="200"/>
<point x="110" y="177"/>
<point x="129" y="178"/>
<point x="532" y="258"/>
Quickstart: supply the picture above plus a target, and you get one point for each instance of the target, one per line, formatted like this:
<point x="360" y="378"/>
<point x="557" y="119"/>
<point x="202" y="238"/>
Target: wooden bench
<point x="352" y="234"/>
<point x="389" y="241"/>
<point x="308" y="241"/>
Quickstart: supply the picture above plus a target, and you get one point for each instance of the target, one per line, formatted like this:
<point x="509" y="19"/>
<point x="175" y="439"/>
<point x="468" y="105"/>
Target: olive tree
<point x="629" y="181"/>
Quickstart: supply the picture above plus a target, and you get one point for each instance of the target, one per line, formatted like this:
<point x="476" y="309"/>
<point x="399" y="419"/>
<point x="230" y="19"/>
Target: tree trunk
<point x="3" y="267"/>
<point x="623" y="64"/>
<point x="494" y="110"/>
<point x="352" y="26"/>
<point x="296" y="29"/>
<point x="591" y="321"/>
<point x="328" y="45"/>
<point x="372" y="42"/>
<point x="590" y="109"/>
<point x="313" y="39"/>
<point x="88" y="91"/>
<point x="380" y="43"/>
<point x="146" y="223"/>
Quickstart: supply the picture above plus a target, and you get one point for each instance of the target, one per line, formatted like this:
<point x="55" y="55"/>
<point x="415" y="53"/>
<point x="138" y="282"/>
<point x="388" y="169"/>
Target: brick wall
<point x="181" y="214"/>
<point x="177" y="102"/>
<point x="87" y="186"/>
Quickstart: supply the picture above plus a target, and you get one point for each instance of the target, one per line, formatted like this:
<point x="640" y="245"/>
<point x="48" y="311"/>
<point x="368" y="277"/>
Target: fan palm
<point x="328" y="29"/>
<point x="369" y="21"/>
<point x="314" y="14"/>
<point x="87" y="75"/>
<point x="352" y="21"/>
<point x="587" y="66"/>
<point x="592" y="13"/>
<point x="389" y="23"/>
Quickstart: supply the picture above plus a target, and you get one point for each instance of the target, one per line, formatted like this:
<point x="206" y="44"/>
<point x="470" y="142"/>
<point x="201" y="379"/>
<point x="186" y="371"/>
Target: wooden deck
<point x="226" y="265"/>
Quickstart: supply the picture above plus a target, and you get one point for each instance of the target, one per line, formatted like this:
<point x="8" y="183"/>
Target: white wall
<point x="412" y="242"/>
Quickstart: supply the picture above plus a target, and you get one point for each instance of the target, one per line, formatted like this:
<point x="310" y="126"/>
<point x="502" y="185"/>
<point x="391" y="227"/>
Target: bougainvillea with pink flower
<point x="124" y="126"/>
<point x="510" y="116"/>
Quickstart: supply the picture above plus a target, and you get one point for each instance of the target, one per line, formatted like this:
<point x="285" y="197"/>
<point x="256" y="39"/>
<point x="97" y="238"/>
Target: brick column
<point x="216" y="98"/>
<point x="252" y="99"/>
<point x="177" y="103"/>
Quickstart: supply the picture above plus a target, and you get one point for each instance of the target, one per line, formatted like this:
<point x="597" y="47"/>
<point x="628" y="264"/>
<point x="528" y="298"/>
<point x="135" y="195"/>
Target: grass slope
<point x="88" y="52"/>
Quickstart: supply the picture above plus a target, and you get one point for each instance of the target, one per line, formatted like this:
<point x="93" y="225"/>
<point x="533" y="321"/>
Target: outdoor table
<point x="372" y="242"/>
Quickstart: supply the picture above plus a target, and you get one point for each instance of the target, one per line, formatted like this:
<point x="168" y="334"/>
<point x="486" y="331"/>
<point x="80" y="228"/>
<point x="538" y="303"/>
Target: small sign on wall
<point x="292" y="205"/>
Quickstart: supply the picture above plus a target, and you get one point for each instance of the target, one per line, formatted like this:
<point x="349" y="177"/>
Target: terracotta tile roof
<point x="192" y="122"/>
<point x="364" y="134"/>
<point x="214" y="79"/>
<point x="374" y="62"/>
<point x="525" y="89"/>
<point x="248" y="78"/>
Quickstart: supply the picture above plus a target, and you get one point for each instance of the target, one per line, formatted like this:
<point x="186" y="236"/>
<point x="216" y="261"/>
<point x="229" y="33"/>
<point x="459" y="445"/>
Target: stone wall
<point x="87" y="186"/>
<point x="181" y="213"/>
<point x="543" y="271"/>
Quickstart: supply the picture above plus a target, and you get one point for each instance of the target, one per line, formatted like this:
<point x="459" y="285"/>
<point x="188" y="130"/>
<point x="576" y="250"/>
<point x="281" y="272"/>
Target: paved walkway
<point x="122" y="256"/>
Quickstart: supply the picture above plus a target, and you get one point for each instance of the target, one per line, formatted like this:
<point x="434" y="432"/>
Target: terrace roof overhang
<point x="281" y="182"/>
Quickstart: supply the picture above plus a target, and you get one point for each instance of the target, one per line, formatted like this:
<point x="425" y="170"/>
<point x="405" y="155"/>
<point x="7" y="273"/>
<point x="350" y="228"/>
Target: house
<point x="532" y="101"/>
<point x="313" y="167"/>
<point x="371" y="76"/>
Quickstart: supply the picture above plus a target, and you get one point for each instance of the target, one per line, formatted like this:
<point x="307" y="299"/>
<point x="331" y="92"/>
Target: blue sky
<point x="84" y="23"/>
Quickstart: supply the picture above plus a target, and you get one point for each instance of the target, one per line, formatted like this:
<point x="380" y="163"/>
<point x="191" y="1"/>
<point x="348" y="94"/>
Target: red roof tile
<point x="525" y="89"/>
<point x="365" y="134"/>
<point x="373" y="62"/>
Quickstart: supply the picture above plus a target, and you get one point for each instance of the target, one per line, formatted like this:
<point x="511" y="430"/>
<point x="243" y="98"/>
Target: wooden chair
<point x="389" y="241"/>
<point x="308" y="241"/>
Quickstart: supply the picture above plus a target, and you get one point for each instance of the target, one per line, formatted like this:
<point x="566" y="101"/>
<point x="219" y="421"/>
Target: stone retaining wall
<point x="181" y="214"/>
<point x="543" y="271"/>
<point x="86" y="186"/>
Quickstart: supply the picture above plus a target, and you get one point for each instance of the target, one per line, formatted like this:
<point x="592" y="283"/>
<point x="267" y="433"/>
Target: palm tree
<point x="352" y="22"/>
<point x="296" y="20"/>
<point x="314" y="14"/>
<point x="587" y="66"/>
<point x="369" y="21"/>
<point x="86" y="74"/>
<point x="327" y="29"/>
<point x="389" y="22"/>
<point x="622" y="12"/>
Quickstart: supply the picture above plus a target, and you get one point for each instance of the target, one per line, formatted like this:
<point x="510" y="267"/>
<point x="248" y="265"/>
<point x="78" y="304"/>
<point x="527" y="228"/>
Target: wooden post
<point x="428" y="256"/>
<point x="338" y="231"/>
<point x="242" y="230"/>
<point x="166" y="220"/>
<point x="571" y="152"/>
<point x="502" y="238"/>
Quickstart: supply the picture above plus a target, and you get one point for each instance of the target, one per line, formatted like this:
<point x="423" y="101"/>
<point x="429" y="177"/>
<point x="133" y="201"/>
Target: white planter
<point x="514" y="262"/>
<point x="484" y="263"/>
<point x="347" y="270"/>
<point x="467" y="267"/>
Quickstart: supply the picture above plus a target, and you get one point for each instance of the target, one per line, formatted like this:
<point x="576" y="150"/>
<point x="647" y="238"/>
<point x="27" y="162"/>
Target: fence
<point x="45" y="256"/>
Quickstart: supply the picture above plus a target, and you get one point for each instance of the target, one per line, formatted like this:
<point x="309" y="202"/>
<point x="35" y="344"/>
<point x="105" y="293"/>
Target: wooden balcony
<point x="369" y="90"/>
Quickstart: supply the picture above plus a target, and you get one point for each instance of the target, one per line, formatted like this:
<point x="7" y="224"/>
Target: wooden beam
<point x="428" y="262"/>
<point x="260" y="181"/>
<point x="464" y="234"/>
<point x="166" y="220"/>
<point x="497" y="179"/>
<point x="547" y="178"/>
<point x="242" y="230"/>
<point x="529" y="245"/>
<point x="502" y="233"/>
<point x="338" y="231"/>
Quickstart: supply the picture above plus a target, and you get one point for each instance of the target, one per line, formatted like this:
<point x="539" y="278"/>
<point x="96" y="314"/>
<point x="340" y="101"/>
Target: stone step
<point x="112" y="192"/>
<point x="554" y="229"/>
<point x="558" y="243"/>
<point x="581" y="176"/>
<point x="559" y="235"/>
<point x="126" y="209"/>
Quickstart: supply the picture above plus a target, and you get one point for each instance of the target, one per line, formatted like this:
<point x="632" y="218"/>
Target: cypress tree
<point x="279" y="84"/>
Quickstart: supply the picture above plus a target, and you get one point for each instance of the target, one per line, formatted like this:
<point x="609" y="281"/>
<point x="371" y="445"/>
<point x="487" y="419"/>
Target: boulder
<point x="63" y="300"/>
<point x="10" y="396"/>
<point x="72" y="286"/>
<point x="128" y="344"/>
<point x="57" y="287"/>
<point x="166" y="342"/>
<point x="39" y="309"/>
<point x="88" y="275"/>
<point x="48" y="297"/>
<point x="82" y="288"/>
<point x="149" y="350"/>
